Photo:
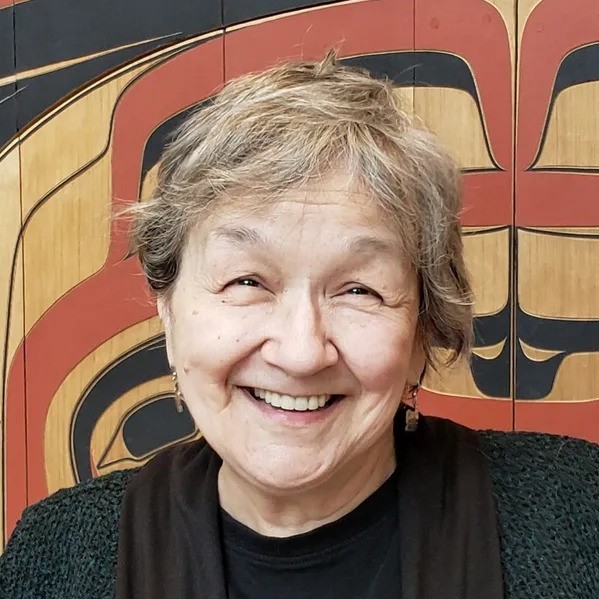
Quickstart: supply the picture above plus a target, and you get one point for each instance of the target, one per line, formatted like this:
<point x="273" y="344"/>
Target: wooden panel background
<point x="90" y="90"/>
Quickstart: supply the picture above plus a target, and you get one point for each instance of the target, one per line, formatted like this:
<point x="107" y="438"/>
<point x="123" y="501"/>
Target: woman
<point x="304" y="246"/>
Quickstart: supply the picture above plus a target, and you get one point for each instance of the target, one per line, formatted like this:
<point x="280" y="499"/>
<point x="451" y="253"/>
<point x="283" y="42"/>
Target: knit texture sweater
<point x="546" y="490"/>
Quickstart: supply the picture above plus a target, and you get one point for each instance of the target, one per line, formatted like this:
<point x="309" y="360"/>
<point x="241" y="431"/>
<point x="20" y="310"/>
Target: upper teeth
<point x="290" y="402"/>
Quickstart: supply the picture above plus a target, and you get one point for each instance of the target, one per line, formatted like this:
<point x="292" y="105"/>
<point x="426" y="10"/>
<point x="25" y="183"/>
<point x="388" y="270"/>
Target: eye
<point x="358" y="291"/>
<point x="246" y="282"/>
<point x="362" y="291"/>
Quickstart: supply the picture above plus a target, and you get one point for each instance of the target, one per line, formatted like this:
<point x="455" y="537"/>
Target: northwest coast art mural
<point x="89" y="93"/>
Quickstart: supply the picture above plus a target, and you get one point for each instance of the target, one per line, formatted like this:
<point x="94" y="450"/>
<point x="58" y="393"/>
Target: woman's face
<point x="279" y="311"/>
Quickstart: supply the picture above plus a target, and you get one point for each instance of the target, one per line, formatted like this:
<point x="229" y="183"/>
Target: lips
<point x="292" y="403"/>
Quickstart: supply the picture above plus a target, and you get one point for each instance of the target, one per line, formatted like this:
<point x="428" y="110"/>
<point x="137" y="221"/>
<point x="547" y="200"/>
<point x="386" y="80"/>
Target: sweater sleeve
<point x="65" y="546"/>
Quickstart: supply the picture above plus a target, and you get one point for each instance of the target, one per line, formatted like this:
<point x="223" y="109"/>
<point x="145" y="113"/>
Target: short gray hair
<point x="269" y="132"/>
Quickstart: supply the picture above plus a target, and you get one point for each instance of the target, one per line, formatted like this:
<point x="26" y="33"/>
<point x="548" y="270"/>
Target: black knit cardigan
<point x="546" y="489"/>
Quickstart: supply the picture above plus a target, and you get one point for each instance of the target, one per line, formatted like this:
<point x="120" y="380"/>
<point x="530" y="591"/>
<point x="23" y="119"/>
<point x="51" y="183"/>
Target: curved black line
<point x="426" y="68"/>
<point x="581" y="65"/>
<point x="85" y="28"/>
<point x="139" y="365"/>
<point x="592" y="170"/>
<point x="122" y="423"/>
<point x="485" y="231"/>
<point x="61" y="103"/>
<point x="543" y="232"/>
<point x="48" y="195"/>
<point x="534" y="380"/>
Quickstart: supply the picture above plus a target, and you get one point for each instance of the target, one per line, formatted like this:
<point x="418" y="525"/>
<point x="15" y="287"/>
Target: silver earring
<point x="412" y="413"/>
<point x="178" y="395"/>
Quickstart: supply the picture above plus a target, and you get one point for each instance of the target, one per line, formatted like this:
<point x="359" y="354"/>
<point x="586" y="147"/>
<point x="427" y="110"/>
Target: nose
<point x="298" y="343"/>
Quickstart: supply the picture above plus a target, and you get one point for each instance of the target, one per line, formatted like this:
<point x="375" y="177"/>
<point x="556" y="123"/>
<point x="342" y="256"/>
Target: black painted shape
<point x="41" y="92"/>
<point x="141" y="365"/>
<point x="534" y="380"/>
<point x="492" y="376"/>
<point x="50" y="32"/>
<point x="156" y="424"/>
<point x="160" y="137"/>
<point x="44" y="39"/>
<point x="238" y="11"/>
<point x="580" y="66"/>
<point x="7" y="42"/>
<point x="422" y="69"/>
<point x="8" y="100"/>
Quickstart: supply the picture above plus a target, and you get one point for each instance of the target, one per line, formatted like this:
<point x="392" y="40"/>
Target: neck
<point x="301" y="510"/>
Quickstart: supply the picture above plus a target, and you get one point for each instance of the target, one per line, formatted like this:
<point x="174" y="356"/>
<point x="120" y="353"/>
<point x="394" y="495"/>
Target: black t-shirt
<point x="356" y="557"/>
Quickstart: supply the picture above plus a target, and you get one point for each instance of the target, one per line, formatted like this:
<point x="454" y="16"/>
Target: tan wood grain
<point x="57" y="438"/>
<point x="454" y="380"/>
<point x="572" y="137"/>
<point x="67" y="239"/>
<point x="557" y="276"/>
<point x="464" y="133"/>
<point x="525" y="9"/>
<point x="11" y="316"/>
<point x="577" y="379"/>
<point x="487" y="254"/>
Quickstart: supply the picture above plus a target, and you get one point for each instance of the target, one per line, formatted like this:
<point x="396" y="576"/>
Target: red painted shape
<point x="6" y="3"/>
<point x="355" y="29"/>
<point x="558" y="199"/>
<point x="551" y="32"/>
<point x="477" y="413"/>
<point x="90" y="314"/>
<point x="576" y="419"/>
<point x="114" y="298"/>
<point x="552" y="198"/>
<point x="469" y="29"/>
<point x="487" y="199"/>
<point x="15" y="450"/>
<point x="166" y="90"/>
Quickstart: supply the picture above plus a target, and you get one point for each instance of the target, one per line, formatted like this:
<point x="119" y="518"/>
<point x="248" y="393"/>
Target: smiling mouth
<point x="290" y="403"/>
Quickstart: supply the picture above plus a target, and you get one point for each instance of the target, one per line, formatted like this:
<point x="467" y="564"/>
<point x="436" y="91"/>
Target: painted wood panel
<point x="95" y="89"/>
<point x="11" y="280"/>
<point x="557" y="218"/>
<point x="464" y="92"/>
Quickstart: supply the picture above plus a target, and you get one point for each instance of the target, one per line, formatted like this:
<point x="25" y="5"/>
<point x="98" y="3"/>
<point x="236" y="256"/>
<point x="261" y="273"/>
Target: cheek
<point x="378" y="353"/>
<point x="209" y="343"/>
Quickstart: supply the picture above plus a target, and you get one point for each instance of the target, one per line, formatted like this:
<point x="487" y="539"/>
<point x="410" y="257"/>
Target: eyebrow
<point x="372" y="245"/>
<point x="365" y="244"/>
<point x="239" y="235"/>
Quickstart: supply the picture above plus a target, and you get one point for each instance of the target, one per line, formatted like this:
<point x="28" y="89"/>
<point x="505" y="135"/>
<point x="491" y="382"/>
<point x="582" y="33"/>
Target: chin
<point x="284" y="475"/>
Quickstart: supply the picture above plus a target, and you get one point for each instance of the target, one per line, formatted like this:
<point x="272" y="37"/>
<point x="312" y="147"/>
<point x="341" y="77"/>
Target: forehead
<point x="336" y="201"/>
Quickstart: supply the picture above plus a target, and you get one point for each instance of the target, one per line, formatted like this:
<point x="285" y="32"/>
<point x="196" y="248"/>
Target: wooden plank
<point x="557" y="183"/>
<point x="92" y="293"/>
<point x="467" y="102"/>
<point x="12" y="378"/>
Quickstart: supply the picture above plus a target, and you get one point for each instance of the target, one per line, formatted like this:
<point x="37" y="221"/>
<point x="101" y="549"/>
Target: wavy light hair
<point x="269" y="132"/>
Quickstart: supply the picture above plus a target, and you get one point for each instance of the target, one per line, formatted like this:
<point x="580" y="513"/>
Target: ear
<point x="164" y="311"/>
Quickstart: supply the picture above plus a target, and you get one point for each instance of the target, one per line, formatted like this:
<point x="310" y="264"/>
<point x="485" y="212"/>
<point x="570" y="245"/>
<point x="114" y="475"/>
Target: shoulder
<point x="68" y="540"/>
<point x="548" y="511"/>
<point x="542" y="459"/>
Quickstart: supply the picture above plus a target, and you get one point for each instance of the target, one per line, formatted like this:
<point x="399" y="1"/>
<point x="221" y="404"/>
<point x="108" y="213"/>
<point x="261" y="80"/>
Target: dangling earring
<point x="178" y="395"/>
<point x="412" y="413"/>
